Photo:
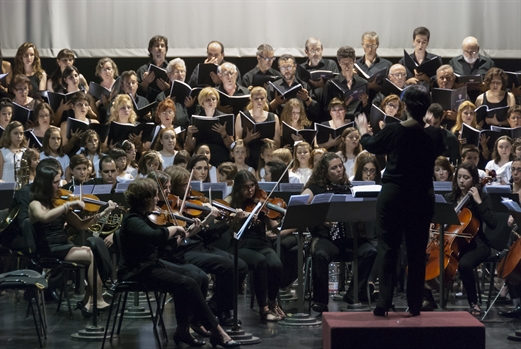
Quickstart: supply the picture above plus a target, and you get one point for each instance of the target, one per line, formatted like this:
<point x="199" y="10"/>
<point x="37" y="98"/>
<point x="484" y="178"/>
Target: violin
<point x="164" y="217"/>
<point x="193" y="208"/>
<point x="272" y="208"/>
<point x="92" y="202"/>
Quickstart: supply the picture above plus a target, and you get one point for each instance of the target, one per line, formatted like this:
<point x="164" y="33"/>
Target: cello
<point x="455" y="237"/>
<point x="510" y="267"/>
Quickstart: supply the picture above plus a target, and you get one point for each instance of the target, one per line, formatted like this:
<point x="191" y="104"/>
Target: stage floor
<point x="16" y="331"/>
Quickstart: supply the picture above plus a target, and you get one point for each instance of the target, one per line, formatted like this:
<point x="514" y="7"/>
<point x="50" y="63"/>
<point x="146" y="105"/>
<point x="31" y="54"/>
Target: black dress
<point x="56" y="237"/>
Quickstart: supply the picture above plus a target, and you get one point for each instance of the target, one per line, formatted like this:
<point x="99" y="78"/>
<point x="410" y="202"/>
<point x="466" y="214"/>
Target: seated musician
<point x="196" y="251"/>
<point x="255" y="247"/>
<point x="49" y="221"/>
<point x="331" y="241"/>
<point x="140" y="242"/>
<point x="466" y="182"/>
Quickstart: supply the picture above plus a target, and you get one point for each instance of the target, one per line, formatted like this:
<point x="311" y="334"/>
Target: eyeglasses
<point x="470" y="53"/>
<point x="267" y="59"/>
<point x="22" y="89"/>
<point x="367" y="46"/>
<point x="248" y="187"/>
<point x="496" y="82"/>
<point x="515" y="169"/>
<point x="287" y="67"/>
<point x="167" y="113"/>
<point x="369" y="170"/>
<point x="346" y="63"/>
<point x="338" y="110"/>
<point x="315" y="50"/>
<point x="392" y="105"/>
<point x="399" y="75"/>
<point x="228" y="74"/>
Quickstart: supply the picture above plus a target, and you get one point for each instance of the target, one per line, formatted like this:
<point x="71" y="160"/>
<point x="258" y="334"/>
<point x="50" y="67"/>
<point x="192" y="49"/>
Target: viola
<point x="272" y="208"/>
<point x="92" y="202"/>
<point x="193" y="208"/>
<point x="164" y="217"/>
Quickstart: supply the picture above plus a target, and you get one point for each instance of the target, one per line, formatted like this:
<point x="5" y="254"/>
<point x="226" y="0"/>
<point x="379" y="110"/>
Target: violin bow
<point x="169" y="208"/>
<point x="186" y="191"/>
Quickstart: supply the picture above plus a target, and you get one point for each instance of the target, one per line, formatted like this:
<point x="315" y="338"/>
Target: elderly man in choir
<point x="228" y="74"/>
<point x="398" y="75"/>
<point x="265" y="59"/>
<point x="314" y="49"/>
<point x="214" y="55"/>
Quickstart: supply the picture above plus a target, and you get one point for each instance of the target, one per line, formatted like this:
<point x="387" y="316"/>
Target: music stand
<point x="353" y="210"/>
<point x="300" y="217"/>
<point x="444" y="213"/>
<point x="236" y="332"/>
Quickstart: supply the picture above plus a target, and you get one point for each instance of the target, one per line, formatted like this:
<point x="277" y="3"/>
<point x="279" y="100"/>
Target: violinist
<point x="255" y="248"/>
<point x="140" y="244"/>
<point x="333" y="240"/>
<point x="49" y="221"/>
<point x="212" y="260"/>
<point x="466" y="182"/>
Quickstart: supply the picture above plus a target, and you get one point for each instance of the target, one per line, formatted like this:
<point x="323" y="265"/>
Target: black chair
<point x="42" y="260"/>
<point x="120" y="293"/>
<point x="33" y="283"/>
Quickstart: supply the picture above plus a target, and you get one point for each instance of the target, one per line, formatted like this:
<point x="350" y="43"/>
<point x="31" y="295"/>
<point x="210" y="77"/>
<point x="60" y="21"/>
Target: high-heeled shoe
<point x="84" y="311"/>
<point x="381" y="311"/>
<point x="214" y="341"/>
<point x="200" y="330"/>
<point x="187" y="339"/>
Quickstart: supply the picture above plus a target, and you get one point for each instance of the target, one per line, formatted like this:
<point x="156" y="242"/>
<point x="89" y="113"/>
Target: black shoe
<point x="514" y="313"/>
<point x="187" y="339"/>
<point x="84" y="311"/>
<point x="429" y="305"/>
<point x="226" y="319"/>
<point x="381" y="311"/>
<point x="319" y="307"/>
<point x="218" y="341"/>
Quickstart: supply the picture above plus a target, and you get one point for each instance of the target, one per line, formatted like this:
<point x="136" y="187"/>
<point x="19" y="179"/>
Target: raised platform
<point x="456" y="329"/>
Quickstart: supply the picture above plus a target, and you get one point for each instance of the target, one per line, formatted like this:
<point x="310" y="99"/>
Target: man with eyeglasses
<point x="265" y="59"/>
<point x="314" y="50"/>
<point x="445" y="78"/>
<point x="214" y="55"/>
<point x="470" y="62"/>
<point x="288" y="69"/>
<point x="176" y="70"/>
<point x="228" y="74"/>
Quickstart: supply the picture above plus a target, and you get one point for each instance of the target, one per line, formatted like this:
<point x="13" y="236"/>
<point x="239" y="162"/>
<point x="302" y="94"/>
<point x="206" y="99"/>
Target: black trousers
<point x="324" y="251"/>
<point x="289" y="258"/>
<point x="188" y="299"/>
<point x="472" y="255"/>
<point x="267" y="271"/>
<point x="402" y="210"/>
<point x="220" y="263"/>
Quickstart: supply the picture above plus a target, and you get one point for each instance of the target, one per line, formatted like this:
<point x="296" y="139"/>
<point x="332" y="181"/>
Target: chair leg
<point x="122" y="312"/>
<point x="492" y="285"/>
<point x="252" y="288"/>
<point x="38" y="329"/>
<point x="478" y="286"/>
<point x="108" y="321"/>
<point x="119" y="295"/>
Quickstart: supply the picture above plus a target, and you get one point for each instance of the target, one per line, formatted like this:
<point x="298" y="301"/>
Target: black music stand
<point x="444" y="213"/>
<point x="300" y="217"/>
<point x="351" y="211"/>
<point x="236" y="332"/>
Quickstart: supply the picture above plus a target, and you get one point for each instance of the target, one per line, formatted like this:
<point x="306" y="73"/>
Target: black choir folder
<point x="260" y="79"/>
<point x="388" y="88"/>
<point x="119" y="132"/>
<point x="324" y="131"/>
<point x="34" y="142"/>
<point x="289" y="93"/>
<point x="159" y="73"/>
<point x="238" y="103"/>
<point x="73" y="125"/>
<point x="378" y="115"/>
<point x="506" y="131"/>
<point x="449" y="99"/>
<point x="203" y="77"/>
<point x="314" y="75"/>
<point x="204" y="125"/>
<point x="96" y="90"/>
<point x="377" y="77"/>
<point x="141" y="112"/>
<point x="473" y="135"/>
<point x="181" y="90"/>
<point x="22" y="114"/>
<point x="483" y="112"/>
<point x="287" y="131"/>
<point x="266" y="128"/>
<point x="55" y="98"/>
<point x="355" y="93"/>
<point x="426" y="67"/>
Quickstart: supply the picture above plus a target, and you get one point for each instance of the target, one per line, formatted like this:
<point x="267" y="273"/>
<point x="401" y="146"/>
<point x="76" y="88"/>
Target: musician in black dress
<point x="334" y="241"/>
<point x="406" y="201"/>
<point x="140" y="241"/>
